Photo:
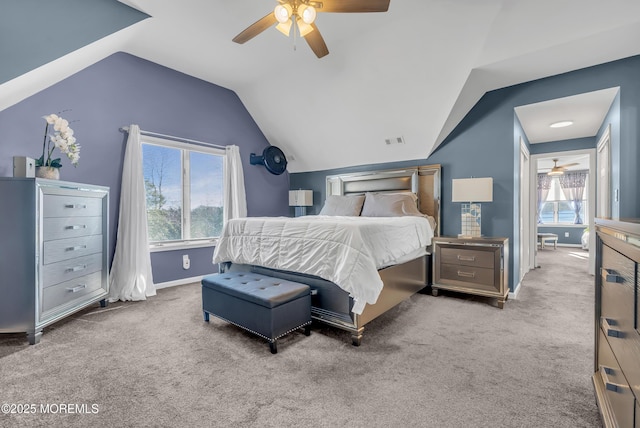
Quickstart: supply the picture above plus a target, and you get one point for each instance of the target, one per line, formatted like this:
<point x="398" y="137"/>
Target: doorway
<point x="537" y="163"/>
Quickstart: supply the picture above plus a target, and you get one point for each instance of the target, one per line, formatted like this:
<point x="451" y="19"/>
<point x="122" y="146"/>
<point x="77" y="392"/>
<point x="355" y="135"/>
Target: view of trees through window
<point x="558" y="210"/>
<point x="184" y="191"/>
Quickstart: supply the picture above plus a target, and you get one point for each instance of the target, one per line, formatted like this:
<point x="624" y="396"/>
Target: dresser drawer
<point x="67" y="270"/>
<point x="71" y="206"/>
<point x="70" y="291"/>
<point x="468" y="257"/>
<point x="481" y="278"/>
<point x="617" y="389"/>
<point x="70" y="227"/>
<point x="65" y="249"/>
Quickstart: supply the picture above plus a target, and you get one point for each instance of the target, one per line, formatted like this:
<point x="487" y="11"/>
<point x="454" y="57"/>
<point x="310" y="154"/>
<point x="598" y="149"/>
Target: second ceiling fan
<point x="292" y="15"/>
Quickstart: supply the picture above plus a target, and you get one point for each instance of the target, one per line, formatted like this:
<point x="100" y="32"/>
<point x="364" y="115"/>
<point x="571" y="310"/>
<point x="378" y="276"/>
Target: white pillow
<point x="342" y="205"/>
<point x="390" y="205"/>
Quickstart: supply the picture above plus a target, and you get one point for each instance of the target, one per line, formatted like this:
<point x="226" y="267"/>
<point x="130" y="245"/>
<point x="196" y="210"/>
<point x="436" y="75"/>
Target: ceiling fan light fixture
<point x="307" y="13"/>
<point x="283" y="13"/>
<point x="561" y="124"/>
<point x="555" y="172"/>
<point x="303" y="27"/>
<point x="284" y="27"/>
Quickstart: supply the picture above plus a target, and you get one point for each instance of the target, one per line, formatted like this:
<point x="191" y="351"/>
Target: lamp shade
<point x="300" y="198"/>
<point x="472" y="190"/>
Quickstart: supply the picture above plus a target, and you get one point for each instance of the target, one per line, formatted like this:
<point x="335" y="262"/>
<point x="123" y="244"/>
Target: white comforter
<point x="347" y="251"/>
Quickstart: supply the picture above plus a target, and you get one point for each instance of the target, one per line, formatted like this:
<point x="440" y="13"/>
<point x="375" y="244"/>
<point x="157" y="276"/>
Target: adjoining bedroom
<point x="319" y="213"/>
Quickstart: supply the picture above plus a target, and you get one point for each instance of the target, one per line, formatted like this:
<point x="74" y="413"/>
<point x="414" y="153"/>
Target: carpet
<point x="447" y="361"/>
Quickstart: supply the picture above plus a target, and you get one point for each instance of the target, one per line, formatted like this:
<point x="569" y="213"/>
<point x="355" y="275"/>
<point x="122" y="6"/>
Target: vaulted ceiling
<point x="412" y="72"/>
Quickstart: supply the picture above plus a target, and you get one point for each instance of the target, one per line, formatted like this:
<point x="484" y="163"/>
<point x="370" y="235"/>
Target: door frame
<point x="525" y="211"/>
<point x="534" y="201"/>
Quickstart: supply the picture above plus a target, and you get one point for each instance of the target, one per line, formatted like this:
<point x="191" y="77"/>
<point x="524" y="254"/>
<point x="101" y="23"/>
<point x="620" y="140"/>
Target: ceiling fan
<point x="560" y="169"/>
<point x="302" y="13"/>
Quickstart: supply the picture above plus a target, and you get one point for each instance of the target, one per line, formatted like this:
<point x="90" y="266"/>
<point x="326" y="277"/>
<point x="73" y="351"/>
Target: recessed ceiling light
<point x="561" y="124"/>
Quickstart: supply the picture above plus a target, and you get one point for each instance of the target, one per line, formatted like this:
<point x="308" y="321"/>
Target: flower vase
<point x="48" y="172"/>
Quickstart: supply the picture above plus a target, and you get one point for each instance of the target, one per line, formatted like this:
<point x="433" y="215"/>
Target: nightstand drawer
<point x="467" y="257"/>
<point x="482" y="278"/>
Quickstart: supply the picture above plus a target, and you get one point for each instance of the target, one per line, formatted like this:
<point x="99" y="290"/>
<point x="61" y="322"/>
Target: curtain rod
<point x="171" y="137"/>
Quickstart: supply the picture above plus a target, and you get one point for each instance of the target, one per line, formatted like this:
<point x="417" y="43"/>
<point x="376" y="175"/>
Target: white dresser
<point x="53" y="252"/>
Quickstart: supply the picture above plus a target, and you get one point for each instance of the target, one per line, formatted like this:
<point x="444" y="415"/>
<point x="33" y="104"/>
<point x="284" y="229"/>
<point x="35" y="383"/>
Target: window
<point x="184" y="191"/>
<point x="557" y="209"/>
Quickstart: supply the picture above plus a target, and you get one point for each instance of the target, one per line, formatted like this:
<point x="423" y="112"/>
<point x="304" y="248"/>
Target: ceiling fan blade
<point x="256" y="28"/>
<point x="346" y="6"/>
<point x="568" y="165"/>
<point x="316" y="42"/>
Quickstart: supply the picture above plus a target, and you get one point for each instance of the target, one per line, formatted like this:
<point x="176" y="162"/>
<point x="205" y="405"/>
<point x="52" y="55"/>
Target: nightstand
<point x="474" y="265"/>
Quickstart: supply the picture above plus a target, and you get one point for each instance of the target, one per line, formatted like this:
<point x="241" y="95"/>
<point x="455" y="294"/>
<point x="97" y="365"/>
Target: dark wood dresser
<point x="617" y="325"/>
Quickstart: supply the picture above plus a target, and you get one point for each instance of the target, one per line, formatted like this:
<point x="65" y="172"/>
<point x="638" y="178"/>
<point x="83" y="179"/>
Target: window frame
<point x="556" y="211"/>
<point x="185" y="150"/>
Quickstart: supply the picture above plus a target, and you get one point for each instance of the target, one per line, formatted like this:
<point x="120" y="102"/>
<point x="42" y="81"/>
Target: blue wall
<point x="486" y="144"/>
<point x="35" y="32"/>
<point x="123" y="89"/>
<point x="575" y="233"/>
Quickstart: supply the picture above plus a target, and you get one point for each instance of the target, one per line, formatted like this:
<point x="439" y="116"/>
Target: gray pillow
<point x="342" y="205"/>
<point x="390" y="205"/>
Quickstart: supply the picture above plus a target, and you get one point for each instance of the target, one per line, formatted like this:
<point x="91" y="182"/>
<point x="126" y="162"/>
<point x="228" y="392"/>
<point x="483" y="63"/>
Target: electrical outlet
<point x="566" y="234"/>
<point x="186" y="263"/>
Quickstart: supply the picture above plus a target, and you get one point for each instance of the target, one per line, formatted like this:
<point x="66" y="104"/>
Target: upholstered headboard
<point x="424" y="181"/>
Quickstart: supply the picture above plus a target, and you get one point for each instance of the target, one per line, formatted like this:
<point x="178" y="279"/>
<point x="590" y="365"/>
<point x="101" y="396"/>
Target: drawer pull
<point x="76" y="248"/>
<point x="467" y="258"/>
<point x="466" y="274"/>
<point x="76" y="268"/>
<point x="612" y="277"/>
<point x="76" y="227"/>
<point x="615" y="387"/>
<point x="77" y="288"/>
<point x="611" y="332"/>
<point x="73" y="206"/>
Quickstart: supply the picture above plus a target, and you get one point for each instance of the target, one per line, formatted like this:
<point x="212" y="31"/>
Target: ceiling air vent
<point x="394" y="140"/>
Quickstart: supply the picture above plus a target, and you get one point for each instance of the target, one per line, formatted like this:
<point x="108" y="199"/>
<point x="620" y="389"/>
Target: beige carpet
<point x="449" y="361"/>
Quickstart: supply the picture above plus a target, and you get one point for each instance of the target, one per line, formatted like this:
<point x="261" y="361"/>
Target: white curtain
<point x="235" y="198"/>
<point x="131" y="277"/>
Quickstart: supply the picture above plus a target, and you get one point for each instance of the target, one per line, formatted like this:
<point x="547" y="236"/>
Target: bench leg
<point x="307" y="330"/>
<point x="206" y="316"/>
<point x="273" y="346"/>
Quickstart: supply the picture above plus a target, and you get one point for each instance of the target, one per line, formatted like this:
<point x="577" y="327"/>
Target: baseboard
<point x="182" y="281"/>
<point x="514" y="294"/>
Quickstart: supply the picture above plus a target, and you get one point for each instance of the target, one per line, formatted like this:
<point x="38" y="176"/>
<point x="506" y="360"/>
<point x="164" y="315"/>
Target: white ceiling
<point x="587" y="112"/>
<point x="414" y="71"/>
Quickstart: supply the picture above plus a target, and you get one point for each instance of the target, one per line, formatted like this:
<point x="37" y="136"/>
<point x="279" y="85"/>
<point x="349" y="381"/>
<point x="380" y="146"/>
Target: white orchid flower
<point x="51" y="119"/>
<point x="61" y="125"/>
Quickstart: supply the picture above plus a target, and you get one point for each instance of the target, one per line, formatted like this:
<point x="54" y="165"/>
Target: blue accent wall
<point x="575" y="233"/>
<point x="123" y="89"/>
<point x="35" y="32"/>
<point x="485" y="144"/>
<point x="563" y="145"/>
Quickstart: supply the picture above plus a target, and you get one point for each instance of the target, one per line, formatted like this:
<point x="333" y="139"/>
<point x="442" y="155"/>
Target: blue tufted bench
<point x="266" y="306"/>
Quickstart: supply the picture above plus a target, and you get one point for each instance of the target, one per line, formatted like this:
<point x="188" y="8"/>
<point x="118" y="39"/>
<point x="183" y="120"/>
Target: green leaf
<point x="40" y="161"/>
<point x="55" y="163"/>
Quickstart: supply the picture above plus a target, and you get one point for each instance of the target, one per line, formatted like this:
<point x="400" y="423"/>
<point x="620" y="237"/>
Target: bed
<point x="351" y="285"/>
